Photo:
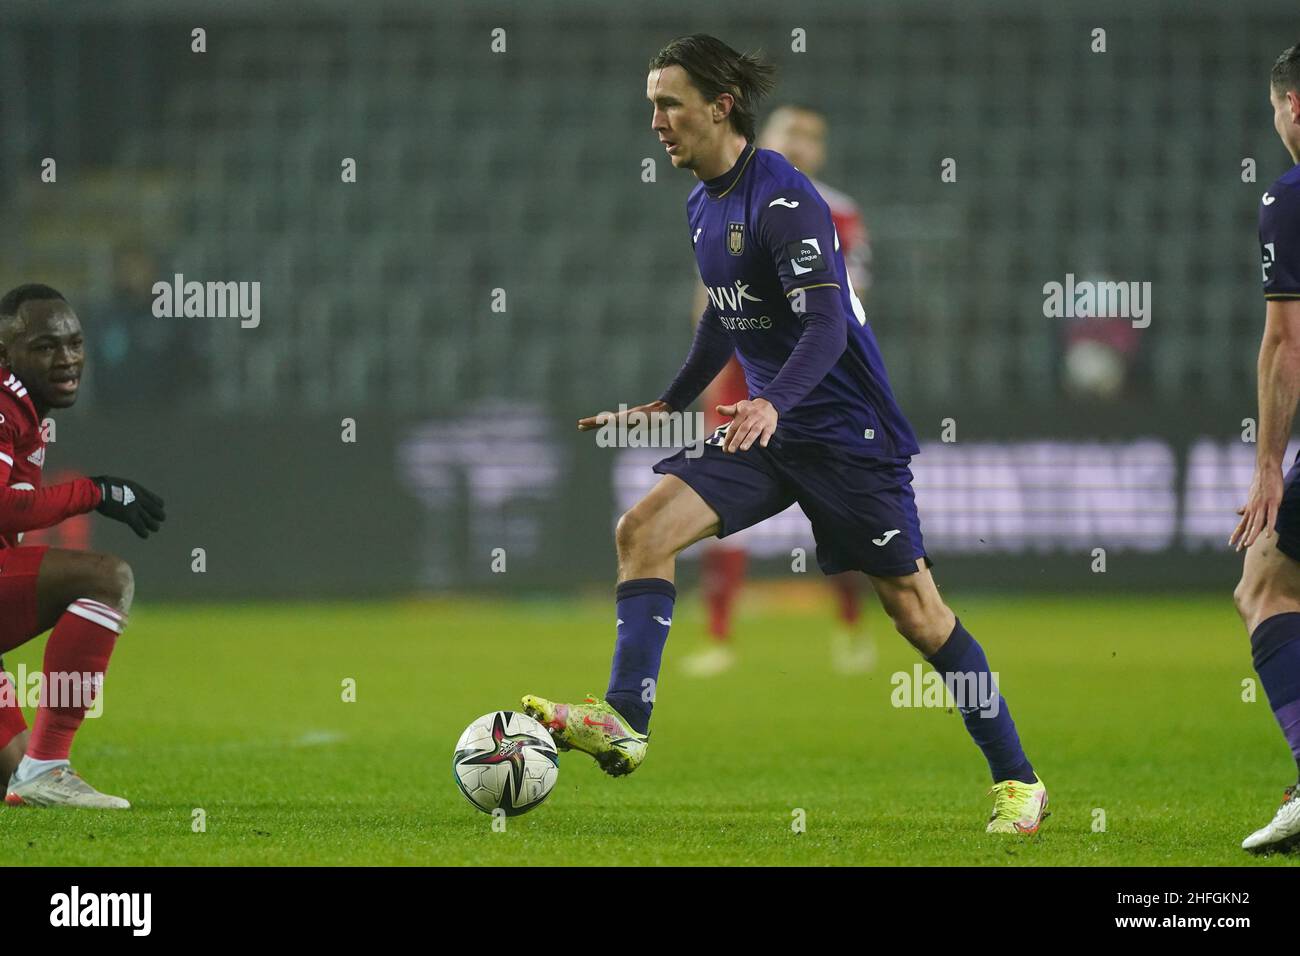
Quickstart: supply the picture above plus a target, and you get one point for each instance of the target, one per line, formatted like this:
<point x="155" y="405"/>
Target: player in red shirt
<point x="799" y="134"/>
<point x="83" y="595"/>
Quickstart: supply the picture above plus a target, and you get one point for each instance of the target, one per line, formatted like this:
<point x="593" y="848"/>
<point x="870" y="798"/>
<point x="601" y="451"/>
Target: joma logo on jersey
<point x="735" y="238"/>
<point x="731" y="300"/>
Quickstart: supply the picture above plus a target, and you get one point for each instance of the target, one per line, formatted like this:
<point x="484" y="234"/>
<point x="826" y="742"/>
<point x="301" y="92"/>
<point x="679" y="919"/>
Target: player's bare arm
<point x="1279" y="390"/>
<point x="604" y="418"/>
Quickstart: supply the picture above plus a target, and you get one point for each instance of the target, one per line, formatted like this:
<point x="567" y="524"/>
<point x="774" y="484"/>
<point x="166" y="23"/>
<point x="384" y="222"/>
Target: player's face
<point x="799" y="136"/>
<point x="48" y="352"/>
<point x="682" y="119"/>
<point x="1286" y="120"/>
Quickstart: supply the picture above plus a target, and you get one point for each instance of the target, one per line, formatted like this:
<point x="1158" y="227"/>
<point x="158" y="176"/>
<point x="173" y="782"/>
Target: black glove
<point x="130" y="503"/>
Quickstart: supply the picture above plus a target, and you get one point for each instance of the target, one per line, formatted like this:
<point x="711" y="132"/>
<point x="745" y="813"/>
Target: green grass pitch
<point x="1130" y="706"/>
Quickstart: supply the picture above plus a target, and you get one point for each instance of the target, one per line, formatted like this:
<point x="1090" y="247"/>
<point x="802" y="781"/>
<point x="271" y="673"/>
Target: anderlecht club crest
<point x="735" y="238"/>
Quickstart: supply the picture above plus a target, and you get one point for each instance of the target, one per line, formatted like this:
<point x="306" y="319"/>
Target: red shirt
<point x="24" y="504"/>
<point x="855" y="243"/>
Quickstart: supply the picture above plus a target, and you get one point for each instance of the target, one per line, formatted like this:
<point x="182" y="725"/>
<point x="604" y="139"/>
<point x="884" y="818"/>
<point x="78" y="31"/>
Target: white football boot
<point x="61" y="787"/>
<point x="1284" y="830"/>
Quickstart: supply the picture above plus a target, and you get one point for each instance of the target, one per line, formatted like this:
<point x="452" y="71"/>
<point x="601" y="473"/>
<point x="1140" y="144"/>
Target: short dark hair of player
<point x="1286" y="71"/>
<point x="715" y="68"/>
<point x="31" y="292"/>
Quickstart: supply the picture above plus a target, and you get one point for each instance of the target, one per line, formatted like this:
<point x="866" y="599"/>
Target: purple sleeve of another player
<point x="710" y="352"/>
<point x="821" y="343"/>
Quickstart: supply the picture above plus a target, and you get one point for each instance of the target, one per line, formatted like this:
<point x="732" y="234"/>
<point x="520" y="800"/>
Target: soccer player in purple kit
<point x="820" y="427"/>
<point x="1268" y="595"/>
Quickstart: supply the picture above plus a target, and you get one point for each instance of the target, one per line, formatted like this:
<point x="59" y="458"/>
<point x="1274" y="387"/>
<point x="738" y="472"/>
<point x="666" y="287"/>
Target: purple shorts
<point x="862" y="510"/>
<point x="1288" y="513"/>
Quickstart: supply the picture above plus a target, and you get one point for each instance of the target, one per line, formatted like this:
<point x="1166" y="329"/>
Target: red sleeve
<point x="19" y="423"/>
<point x="27" y="509"/>
<point x="856" y="246"/>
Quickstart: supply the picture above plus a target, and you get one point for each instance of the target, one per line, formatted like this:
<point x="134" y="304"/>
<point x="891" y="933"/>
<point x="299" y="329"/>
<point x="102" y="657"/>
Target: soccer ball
<point x="505" y="761"/>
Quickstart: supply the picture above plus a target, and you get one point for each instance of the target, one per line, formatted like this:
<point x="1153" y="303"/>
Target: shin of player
<point x="14" y="734"/>
<point x="76" y="658"/>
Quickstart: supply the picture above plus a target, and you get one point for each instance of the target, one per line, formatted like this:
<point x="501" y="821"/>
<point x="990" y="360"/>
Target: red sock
<point x="80" y="644"/>
<point x="12" y="722"/>
<point x="724" y="572"/>
<point x="846" y="589"/>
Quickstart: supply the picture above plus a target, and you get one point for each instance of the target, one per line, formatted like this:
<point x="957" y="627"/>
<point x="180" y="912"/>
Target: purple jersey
<point x="1279" y="237"/>
<point x="779" y="296"/>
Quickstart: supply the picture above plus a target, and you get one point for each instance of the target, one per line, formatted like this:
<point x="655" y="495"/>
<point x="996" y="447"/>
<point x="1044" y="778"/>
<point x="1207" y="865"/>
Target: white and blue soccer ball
<point x="505" y="761"/>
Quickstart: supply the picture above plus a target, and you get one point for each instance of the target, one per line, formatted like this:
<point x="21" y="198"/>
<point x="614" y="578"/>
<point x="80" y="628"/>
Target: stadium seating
<point x="523" y="172"/>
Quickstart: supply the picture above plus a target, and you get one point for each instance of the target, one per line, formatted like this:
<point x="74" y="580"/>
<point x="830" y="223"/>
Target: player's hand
<point x="130" y="503"/>
<point x="751" y="421"/>
<point x="602" y="418"/>
<point x="1259" y="513"/>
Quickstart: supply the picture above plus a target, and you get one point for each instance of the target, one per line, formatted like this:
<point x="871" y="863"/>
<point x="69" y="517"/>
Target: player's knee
<point x="114" y="582"/>
<point x="1242" y="598"/>
<point x="627" y="532"/>
<point x="910" y="622"/>
<point x="924" y="623"/>
<point x="636" y="534"/>
<point x="1248" y="597"/>
<point x="908" y="615"/>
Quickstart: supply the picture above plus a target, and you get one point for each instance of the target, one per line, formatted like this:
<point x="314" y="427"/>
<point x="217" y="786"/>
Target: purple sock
<point x="645" y="609"/>
<point x="1275" y="649"/>
<point x="966" y="673"/>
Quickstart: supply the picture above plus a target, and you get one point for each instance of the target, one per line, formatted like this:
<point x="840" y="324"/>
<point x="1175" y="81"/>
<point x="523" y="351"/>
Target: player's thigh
<point x="67" y="575"/>
<point x="1270" y="580"/>
<point x="20" y="618"/>
<point x="738" y="489"/>
<point x="668" y="519"/>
